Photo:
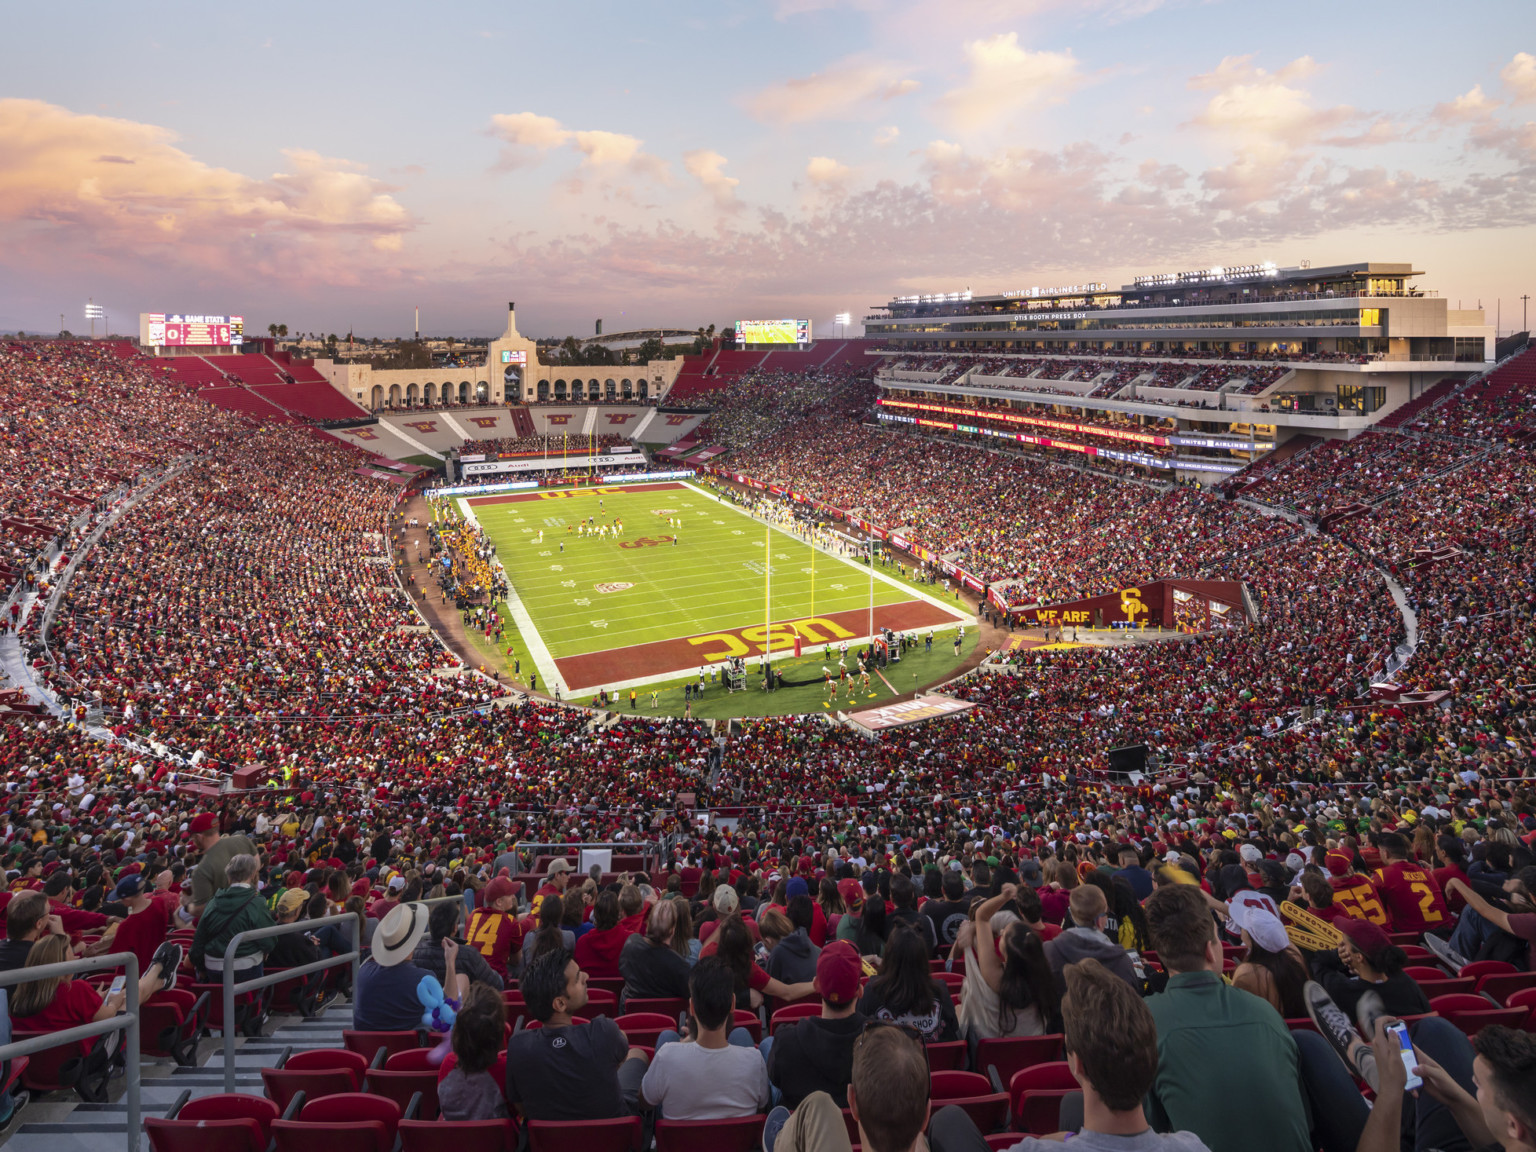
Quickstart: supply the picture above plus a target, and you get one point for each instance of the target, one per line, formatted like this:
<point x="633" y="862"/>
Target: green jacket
<point x="232" y="910"/>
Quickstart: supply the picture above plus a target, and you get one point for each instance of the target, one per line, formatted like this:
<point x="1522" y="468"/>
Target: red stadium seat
<point x="226" y="1122"/>
<point x="972" y="1092"/>
<point x="1471" y="1013"/>
<point x="1480" y="968"/>
<point x="1035" y="1095"/>
<point x="1501" y="985"/>
<point x="947" y="1055"/>
<point x="345" y="1122"/>
<point x="458" y="1136"/>
<point x="367" y="1044"/>
<point x="621" y="1135"/>
<point x="1524" y="998"/>
<point x="1015" y="1053"/>
<point x="791" y="1013"/>
<point x="668" y="1006"/>
<point x="739" y="1134"/>
<point x="400" y="1086"/>
<point x="642" y="1028"/>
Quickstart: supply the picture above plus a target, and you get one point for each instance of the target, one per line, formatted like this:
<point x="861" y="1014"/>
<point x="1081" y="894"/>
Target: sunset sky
<point x="333" y="165"/>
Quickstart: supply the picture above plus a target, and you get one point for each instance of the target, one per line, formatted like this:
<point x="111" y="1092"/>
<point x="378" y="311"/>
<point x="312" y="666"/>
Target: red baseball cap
<point x="1364" y="935"/>
<point x="838" y="969"/>
<point x="852" y="894"/>
<point x="203" y="822"/>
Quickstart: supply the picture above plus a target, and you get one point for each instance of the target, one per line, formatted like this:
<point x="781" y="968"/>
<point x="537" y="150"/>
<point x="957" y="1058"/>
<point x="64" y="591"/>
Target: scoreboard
<point x="162" y="330"/>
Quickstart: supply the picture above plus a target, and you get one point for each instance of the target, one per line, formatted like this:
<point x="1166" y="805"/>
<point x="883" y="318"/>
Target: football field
<point x="686" y="580"/>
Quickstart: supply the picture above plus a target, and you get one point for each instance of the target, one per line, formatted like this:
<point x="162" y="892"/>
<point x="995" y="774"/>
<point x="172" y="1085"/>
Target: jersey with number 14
<point x="496" y="936"/>
<point x="1412" y="897"/>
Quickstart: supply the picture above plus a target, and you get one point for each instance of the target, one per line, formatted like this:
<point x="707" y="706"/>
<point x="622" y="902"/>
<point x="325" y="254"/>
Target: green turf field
<point x="712" y="579"/>
<point x="579" y="595"/>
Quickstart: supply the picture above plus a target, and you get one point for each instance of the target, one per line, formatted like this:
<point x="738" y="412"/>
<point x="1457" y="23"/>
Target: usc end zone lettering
<point x="752" y="641"/>
<point x="565" y="495"/>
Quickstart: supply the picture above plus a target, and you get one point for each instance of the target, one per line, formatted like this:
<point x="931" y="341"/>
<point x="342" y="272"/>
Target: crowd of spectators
<point x="577" y="444"/>
<point x="246" y="612"/>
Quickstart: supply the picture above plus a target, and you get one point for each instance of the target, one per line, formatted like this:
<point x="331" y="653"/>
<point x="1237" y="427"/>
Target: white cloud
<point x="1266" y="117"/>
<point x="1519" y="76"/>
<point x="1472" y="105"/>
<point x="706" y="166"/>
<point x="528" y="136"/>
<point x="842" y="90"/>
<point x="122" y="189"/>
<point x="887" y="135"/>
<point x="1003" y="79"/>
<point x="824" y="171"/>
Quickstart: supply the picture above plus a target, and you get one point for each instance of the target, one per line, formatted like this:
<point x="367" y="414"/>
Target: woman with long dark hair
<point x="549" y="935"/>
<point x="1011" y="995"/>
<point x="752" y="983"/>
<point x="870" y="937"/>
<point x="906" y="992"/>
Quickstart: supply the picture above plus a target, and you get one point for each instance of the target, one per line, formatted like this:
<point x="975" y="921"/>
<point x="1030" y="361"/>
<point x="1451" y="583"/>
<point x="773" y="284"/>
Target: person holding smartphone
<point x="60" y="1002"/>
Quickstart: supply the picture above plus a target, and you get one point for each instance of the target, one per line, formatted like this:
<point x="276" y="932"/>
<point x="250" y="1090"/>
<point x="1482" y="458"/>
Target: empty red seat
<point x="972" y="1092"/>
<point x="1502" y="985"/>
<point x="401" y="1085"/>
<point x="367" y="1044"/>
<point x="619" y="1135"/>
<point x="1480" y="968"/>
<point x="1035" y="1095"/>
<point x="458" y="1136"/>
<point x="1524" y="998"/>
<point x="345" y="1122"/>
<point x="1472" y="1013"/>
<point x="170" y="1023"/>
<point x="642" y="1028"/>
<point x="668" y="1006"/>
<point x="600" y="1002"/>
<point x="738" y="1134"/>
<point x="225" y="1122"/>
<point x="1012" y="1054"/>
<point x="946" y="1055"/>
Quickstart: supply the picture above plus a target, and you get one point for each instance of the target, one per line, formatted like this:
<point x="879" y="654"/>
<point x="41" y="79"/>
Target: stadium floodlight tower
<point x="842" y="320"/>
<point x="93" y="313"/>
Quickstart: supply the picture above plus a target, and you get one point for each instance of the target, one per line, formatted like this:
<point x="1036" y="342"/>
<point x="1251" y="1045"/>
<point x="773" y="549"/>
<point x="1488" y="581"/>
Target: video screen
<point x="773" y="331"/>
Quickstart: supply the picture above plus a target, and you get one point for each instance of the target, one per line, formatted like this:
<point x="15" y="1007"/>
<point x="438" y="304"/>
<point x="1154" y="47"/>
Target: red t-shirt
<point x="75" y="1003"/>
<point x="143" y="932"/>
<point x="496" y="936"/>
<point x="1412" y="898"/>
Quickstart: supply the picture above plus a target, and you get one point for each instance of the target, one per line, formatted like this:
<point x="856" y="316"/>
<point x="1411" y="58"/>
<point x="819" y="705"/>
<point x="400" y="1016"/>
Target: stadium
<point x="789" y="577"/>
<point x="1041" y="581"/>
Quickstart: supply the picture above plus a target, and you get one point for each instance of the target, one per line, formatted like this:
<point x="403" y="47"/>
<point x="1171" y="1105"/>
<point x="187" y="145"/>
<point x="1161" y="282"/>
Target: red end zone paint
<point x="564" y="493"/>
<point x="662" y="658"/>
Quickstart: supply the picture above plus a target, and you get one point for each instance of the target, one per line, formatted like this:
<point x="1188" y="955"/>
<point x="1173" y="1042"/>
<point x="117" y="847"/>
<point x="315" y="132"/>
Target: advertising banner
<point x="910" y="712"/>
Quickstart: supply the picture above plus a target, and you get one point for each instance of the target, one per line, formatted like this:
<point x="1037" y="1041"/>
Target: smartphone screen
<point x="117" y="986"/>
<point x="1405" y="1050"/>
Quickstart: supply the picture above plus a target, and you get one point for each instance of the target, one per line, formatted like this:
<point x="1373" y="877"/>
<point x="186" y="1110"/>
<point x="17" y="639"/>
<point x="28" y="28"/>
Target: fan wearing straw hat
<point x="393" y="994"/>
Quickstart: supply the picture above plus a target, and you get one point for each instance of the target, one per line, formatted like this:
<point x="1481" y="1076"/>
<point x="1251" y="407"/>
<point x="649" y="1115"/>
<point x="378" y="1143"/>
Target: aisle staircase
<point x="59" y="1122"/>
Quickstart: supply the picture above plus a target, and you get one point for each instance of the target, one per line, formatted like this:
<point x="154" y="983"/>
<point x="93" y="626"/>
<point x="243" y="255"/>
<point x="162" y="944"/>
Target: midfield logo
<point x="612" y="587"/>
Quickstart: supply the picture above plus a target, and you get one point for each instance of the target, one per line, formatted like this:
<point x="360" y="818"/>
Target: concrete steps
<point x="60" y="1122"/>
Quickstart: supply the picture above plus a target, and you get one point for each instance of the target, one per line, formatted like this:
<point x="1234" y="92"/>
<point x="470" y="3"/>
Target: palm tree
<point x="282" y="331"/>
<point x="272" y="331"/>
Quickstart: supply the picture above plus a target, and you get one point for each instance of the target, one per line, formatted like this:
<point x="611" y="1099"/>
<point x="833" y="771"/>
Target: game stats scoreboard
<point x="175" y="330"/>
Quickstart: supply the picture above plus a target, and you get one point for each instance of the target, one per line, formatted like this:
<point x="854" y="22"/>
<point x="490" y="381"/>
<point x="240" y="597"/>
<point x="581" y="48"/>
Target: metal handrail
<point x="127" y="1020"/>
<point x="231" y="989"/>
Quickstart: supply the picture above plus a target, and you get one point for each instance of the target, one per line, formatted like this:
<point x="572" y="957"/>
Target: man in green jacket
<point x="1227" y="1068"/>
<point x="237" y="908"/>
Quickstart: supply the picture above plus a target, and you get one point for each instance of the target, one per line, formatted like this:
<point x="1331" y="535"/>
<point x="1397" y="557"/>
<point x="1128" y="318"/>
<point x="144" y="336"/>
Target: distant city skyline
<point x="692" y="164"/>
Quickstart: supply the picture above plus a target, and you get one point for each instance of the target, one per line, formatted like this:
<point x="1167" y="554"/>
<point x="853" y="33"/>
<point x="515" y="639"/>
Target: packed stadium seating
<point x="247" y="610"/>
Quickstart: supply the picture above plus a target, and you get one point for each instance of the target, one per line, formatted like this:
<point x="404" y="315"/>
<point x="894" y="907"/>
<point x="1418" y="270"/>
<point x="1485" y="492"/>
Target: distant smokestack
<point x="599" y="328"/>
